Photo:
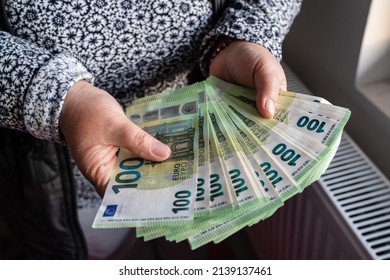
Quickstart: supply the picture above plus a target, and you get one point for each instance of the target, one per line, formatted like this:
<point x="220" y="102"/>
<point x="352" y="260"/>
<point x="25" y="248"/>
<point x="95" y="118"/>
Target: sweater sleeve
<point x="33" y="86"/>
<point x="265" y="22"/>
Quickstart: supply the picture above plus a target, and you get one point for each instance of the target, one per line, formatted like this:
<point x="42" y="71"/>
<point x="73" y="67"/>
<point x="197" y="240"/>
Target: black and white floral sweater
<point x="129" y="48"/>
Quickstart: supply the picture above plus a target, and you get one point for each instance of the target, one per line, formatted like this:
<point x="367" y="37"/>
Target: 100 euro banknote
<point x="142" y="192"/>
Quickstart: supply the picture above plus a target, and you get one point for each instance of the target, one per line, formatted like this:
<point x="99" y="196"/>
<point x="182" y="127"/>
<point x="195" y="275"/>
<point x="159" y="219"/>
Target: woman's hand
<point x="95" y="126"/>
<point x="251" y="65"/>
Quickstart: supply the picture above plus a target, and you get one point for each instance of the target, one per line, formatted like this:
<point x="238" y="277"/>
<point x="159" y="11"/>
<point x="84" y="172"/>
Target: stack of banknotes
<point x="229" y="168"/>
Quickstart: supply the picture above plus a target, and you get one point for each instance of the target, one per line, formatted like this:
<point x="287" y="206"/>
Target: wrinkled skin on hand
<point x="95" y="127"/>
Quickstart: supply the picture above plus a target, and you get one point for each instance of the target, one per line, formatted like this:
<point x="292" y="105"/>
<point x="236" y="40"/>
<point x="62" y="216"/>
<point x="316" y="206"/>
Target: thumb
<point x="133" y="138"/>
<point x="268" y="84"/>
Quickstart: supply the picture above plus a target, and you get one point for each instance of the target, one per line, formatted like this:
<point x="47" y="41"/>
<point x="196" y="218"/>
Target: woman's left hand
<point x="251" y="65"/>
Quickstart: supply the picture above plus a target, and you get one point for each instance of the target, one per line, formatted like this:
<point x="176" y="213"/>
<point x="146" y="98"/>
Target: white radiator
<point x="344" y="215"/>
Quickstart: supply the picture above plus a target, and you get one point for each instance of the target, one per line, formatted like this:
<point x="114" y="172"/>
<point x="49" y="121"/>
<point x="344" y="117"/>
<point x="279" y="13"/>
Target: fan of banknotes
<point x="229" y="168"/>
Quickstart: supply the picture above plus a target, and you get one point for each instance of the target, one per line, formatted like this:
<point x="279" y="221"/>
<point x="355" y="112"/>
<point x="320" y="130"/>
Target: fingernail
<point x="160" y="149"/>
<point x="270" y="106"/>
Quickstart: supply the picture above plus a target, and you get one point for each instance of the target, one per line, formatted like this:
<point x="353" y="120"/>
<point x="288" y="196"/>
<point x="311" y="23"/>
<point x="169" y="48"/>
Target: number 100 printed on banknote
<point x="145" y="193"/>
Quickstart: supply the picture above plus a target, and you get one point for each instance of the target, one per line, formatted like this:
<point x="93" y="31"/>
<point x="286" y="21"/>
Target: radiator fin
<point x="362" y="195"/>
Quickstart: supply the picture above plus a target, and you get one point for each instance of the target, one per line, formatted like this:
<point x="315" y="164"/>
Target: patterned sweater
<point x="129" y="48"/>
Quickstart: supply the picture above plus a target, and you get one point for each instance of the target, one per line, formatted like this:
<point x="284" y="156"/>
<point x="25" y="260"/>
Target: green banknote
<point x="145" y="193"/>
<point x="244" y="181"/>
<point x="309" y="116"/>
<point x="220" y="231"/>
<point x="312" y="115"/>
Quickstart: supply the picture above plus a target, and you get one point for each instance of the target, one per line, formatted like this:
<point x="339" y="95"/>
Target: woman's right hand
<point x="95" y="127"/>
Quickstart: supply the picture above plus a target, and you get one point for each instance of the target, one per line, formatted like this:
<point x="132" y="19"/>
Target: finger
<point x="135" y="139"/>
<point x="101" y="181"/>
<point x="268" y="81"/>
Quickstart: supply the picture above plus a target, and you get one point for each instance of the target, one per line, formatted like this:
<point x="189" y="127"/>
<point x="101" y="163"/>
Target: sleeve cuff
<point x="46" y="95"/>
<point x="260" y="23"/>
